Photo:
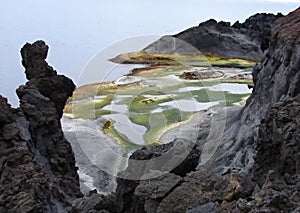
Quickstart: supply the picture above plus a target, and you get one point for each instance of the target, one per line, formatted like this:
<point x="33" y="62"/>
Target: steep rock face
<point x="25" y="184"/>
<point x="216" y="38"/>
<point x="260" y="22"/>
<point x="278" y="143"/>
<point x="264" y="140"/>
<point x="38" y="172"/>
<point x="20" y="192"/>
<point x="276" y="79"/>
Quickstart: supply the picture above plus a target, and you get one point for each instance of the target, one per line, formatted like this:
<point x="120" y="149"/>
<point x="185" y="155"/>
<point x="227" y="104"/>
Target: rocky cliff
<point x="38" y="172"/>
<point x="245" y="40"/>
<point x="261" y="23"/>
<point x="256" y="166"/>
<point x="276" y="79"/>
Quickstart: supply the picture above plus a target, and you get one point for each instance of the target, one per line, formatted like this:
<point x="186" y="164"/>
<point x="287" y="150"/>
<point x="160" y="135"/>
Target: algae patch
<point x="200" y="60"/>
<point x="88" y="109"/>
<point x="160" y="96"/>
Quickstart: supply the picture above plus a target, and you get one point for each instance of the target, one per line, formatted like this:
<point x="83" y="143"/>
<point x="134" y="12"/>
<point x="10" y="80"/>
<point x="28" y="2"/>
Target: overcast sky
<point x="78" y="30"/>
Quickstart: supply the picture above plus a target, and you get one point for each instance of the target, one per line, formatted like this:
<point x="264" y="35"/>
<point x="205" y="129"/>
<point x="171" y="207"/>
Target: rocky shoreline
<point x="252" y="166"/>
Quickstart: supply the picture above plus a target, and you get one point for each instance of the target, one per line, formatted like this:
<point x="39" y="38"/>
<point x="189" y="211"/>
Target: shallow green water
<point x="141" y="111"/>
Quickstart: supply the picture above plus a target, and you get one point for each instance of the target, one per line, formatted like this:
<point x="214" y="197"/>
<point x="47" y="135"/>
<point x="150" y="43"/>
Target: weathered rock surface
<point x="212" y="37"/>
<point x="38" y="172"/>
<point x="260" y="22"/>
<point x="278" y="142"/>
<point x="276" y="79"/>
<point x="242" y="40"/>
<point x="200" y="188"/>
<point x="95" y="202"/>
<point x="133" y="194"/>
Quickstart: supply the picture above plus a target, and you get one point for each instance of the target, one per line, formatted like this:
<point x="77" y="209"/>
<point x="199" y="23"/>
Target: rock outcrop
<point x="216" y="38"/>
<point x="276" y="80"/>
<point x="245" y="40"/>
<point x="278" y="141"/>
<point x="261" y="23"/>
<point x="38" y="172"/>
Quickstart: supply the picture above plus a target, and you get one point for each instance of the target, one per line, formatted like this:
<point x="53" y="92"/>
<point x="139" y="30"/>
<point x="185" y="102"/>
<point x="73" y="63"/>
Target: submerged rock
<point x="201" y="75"/>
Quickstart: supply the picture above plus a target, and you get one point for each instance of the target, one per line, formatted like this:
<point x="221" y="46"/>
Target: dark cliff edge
<point x="38" y="172"/>
<point x="245" y="40"/>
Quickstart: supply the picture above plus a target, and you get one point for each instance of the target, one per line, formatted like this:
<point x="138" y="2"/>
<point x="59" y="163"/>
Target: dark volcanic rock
<point x="260" y="22"/>
<point x="278" y="142"/>
<point x="26" y="184"/>
<point x="151" y="192"/>
<point x="38" y="172"/>
<point x="7" y="114"/>
<point x="209" y="207"/>
<point x="280" y="62"/>
<point x="178" y="157"/>
<point x="132" y="195"/>
<point x="266" y="136"/>
<point x="276" y="79"/>
<point x="245" y="40"/>
<point x="216" y="38"/>
<point x="57" y="88"/>
<point x="157" y="188"/>
<point x="202" y="187"/>
<point x="42" y="100"/>
<point x="96" y="203"/>
<point x="33" y="59"/>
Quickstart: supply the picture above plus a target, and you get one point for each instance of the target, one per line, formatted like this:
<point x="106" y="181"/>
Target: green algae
<point x="109" y="130"/>
<point x="178" y="59"/>
<point x="158" y="123"/>
<point x="88" y="109"/>
<point x="141" y="106"/>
